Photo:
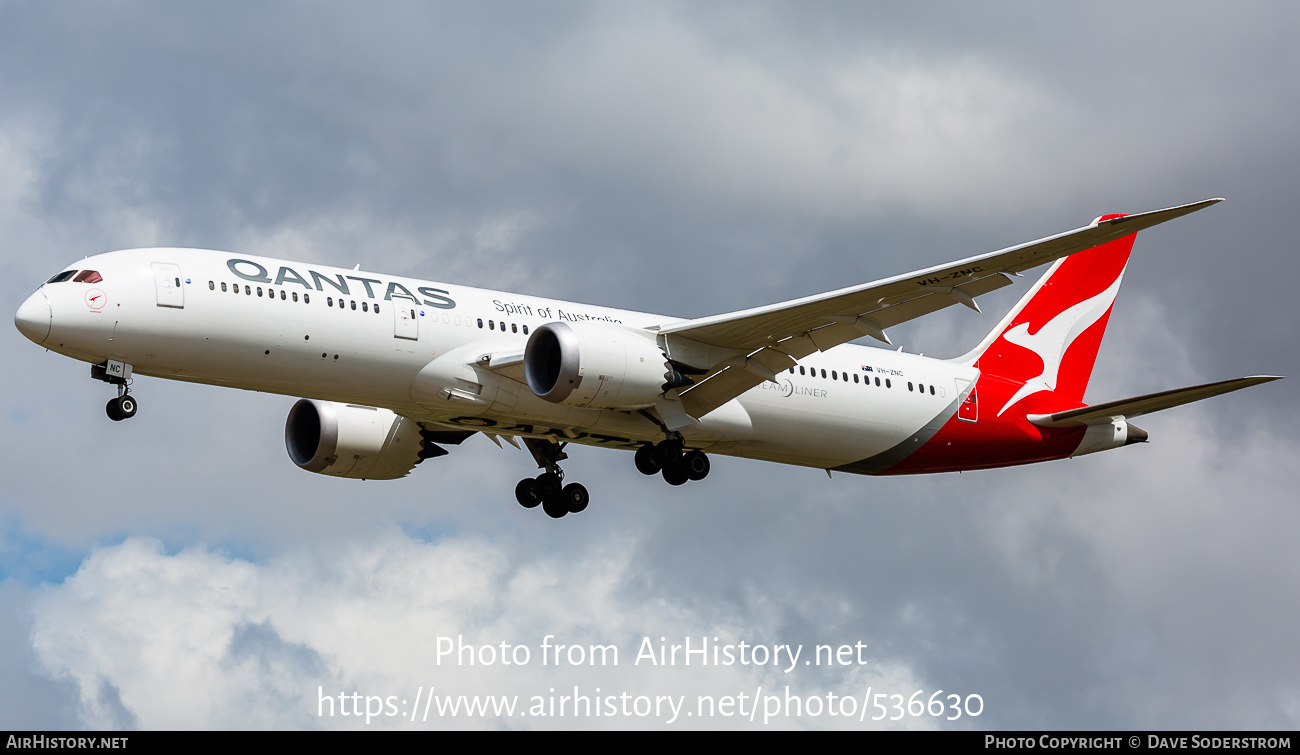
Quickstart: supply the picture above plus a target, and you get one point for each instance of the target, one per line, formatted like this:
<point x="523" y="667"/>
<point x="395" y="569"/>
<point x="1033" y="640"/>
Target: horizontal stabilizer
<point x="1152" y="402"/>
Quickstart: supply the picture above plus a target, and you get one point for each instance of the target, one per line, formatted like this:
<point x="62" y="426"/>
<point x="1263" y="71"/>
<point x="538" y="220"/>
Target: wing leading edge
<point x="739" y="350"/>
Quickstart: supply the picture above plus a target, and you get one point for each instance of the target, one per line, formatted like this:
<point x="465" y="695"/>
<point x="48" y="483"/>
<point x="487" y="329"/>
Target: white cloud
<point x="199" y="640"/>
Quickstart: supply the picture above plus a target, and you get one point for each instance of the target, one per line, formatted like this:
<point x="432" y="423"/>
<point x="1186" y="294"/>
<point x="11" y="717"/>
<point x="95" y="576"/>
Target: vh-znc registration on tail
<point x="393" y="369"/>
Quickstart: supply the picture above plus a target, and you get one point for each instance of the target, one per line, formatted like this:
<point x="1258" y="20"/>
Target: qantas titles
<point x="439" y="298"/>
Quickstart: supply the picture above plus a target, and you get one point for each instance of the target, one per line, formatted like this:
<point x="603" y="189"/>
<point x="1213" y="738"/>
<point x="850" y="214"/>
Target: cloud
<point x="1176" y="550"/>
<point x="30" y="700"/>
<point x="198" y="640"/>
<point x="1067" y="593"/>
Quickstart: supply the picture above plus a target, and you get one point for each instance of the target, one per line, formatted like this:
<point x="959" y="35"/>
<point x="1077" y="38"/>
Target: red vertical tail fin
<point x="1049" y="341"/>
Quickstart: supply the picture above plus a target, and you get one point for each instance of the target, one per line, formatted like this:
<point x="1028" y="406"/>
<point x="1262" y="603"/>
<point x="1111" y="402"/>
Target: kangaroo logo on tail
<point x="1053" y="339"/>
<point x="1061" y="320"/>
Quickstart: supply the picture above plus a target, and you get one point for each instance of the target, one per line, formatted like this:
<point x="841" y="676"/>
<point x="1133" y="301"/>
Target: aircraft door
<point x="167" y="279"/>
<point x="969" y="411"/>
<point x="405" y="321"/>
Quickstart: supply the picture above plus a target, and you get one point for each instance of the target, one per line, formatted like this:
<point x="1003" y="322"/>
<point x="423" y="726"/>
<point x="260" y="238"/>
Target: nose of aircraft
<point x="33" y="317"/>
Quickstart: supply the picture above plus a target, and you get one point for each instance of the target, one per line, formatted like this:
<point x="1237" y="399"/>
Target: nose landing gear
<point x="548" y="489"/>
<point x="119" y="374"/>
<point x="122" y="407"/>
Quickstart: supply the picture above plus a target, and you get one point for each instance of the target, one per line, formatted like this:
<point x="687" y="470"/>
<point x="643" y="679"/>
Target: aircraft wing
<point x="1152" y="402"/>
<point x="769" y="339"/>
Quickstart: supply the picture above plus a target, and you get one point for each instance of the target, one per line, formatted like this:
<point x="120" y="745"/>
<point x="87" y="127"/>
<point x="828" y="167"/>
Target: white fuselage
<point x="413" y="346"/>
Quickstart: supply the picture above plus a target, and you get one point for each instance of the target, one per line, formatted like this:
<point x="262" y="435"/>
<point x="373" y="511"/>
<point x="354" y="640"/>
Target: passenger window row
<point x="920" y="388"/>
<point x="365" y="306"/>
<point x="270" y="292"/>
<point x="494" y="325"/>
<point x="306" y="299"/>
<point x="865" y="379"/>
<point x="844" y="376"/>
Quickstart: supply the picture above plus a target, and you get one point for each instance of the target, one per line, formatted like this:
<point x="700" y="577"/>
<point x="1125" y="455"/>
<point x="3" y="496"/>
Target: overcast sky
<point x="178" y="570"/>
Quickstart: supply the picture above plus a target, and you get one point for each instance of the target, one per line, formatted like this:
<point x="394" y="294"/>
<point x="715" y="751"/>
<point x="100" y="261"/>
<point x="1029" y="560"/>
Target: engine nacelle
<point x="346" y="440"/>
<point x="596" y="366"/>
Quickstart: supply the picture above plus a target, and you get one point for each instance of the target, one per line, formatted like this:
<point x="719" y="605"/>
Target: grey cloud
<point x="116" y="715"/>
<point x="261" y="645"/>
<point x="31" y="700"/>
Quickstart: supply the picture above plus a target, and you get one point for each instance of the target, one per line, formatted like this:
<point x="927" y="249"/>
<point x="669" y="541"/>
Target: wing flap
<point x="1151" y="402"/>
<point x="739" y="375"/>
<point x="720" y="387"/>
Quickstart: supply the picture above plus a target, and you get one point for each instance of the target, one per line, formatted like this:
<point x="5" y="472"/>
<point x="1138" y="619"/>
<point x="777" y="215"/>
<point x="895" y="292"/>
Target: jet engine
<point x="360" y="442"/>
<point x="597" y="366"/>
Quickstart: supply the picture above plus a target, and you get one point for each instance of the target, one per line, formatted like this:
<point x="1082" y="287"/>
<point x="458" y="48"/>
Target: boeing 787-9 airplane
<point x="391" y="369"/>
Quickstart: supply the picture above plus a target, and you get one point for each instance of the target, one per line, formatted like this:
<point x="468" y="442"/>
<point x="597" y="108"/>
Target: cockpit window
<point x="63" y="276"/>
<point x="88" y="276"/>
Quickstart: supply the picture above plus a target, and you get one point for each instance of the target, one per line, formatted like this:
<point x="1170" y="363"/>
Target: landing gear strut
<point x="668" y="458"/>
<point x="548" y="488"/>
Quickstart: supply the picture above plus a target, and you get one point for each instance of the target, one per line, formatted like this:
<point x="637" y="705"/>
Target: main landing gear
<point x="548" y="489"/>
<point x="117" y="373"/>
<point x="668" y="458"/>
